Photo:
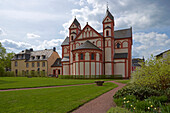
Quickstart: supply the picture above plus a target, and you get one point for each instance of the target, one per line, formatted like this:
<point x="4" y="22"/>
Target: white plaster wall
<point x="81" y="68"/>
<point x="76" y="57"/>
<point x="98" y="43"/>
<point x="73" y="26"/>
<point x="91" y="33"/>
<point x="71" y="66"/>
<point x="65" y="69"/>
<point x="125" y="44"/>
<point x="97" y="69"/>
<point x="97" y="56"/>
<point x="108" y="68"/>
<point x="119" y="60"/>
<point x="126" y="67"/>
<point x="121" y="50"/>
<point x="92" y="68"/>
<point x="95" y="35"/>
<point x="107" y="54"/>
<point x="119" y="69"/>
<point x="109" y="42"/>
<point x="107" y="25"/>
<point x="87" y="68"/>
<point x="87" y="56"/>
<point x="77" y="72"/>
<point x="73" y="69"/>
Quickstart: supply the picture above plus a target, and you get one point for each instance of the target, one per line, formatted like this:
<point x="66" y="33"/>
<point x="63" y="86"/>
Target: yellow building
<point x="29" y="61"/>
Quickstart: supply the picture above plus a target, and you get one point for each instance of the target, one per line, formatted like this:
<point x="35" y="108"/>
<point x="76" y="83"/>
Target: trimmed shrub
<point x="90" y="76"/>
<point x="138" y="91"/>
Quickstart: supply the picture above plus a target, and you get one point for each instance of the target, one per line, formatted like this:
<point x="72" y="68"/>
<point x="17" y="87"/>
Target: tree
<point x="155" y="73"/>
<point x="7" y="60"/>
<point x="2" y="57"/>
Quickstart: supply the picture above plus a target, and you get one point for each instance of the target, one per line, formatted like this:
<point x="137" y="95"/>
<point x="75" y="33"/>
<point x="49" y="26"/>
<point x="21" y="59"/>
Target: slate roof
<point x="109" y="15"/>
<point x="121" y="55"/>
<point x="57" y="63"/>
<point x="65" y="59"/>
<point x="162" y="53"/>
<point x="76" y="22"/>
<point x="87" y="45"/>
<point x="47" y="53"/>
<point x="66" y="41"/>
<point x="124" y="33"/>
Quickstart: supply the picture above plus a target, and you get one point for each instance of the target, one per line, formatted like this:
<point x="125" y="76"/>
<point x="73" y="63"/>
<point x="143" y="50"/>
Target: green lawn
<point x="23" y="82"/>
<point x="51" y="100"/>
<point x="122" y="81"/>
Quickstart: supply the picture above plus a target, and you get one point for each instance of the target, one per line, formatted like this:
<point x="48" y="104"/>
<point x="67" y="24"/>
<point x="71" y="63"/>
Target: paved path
<point x="43" y="87"/>
<point x="102" y="103"/>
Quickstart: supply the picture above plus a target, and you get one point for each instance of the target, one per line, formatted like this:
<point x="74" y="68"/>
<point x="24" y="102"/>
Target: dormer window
<point x="81" y="56"/>
<point x="107" y="33"/>
<point x="71" y="37"/>
<point x="33" y="57"/>
<point x="92" y="56"/>
<point x="43" y="56"/>
<point x="118" y="45"/>
<point x="38" y="57"/>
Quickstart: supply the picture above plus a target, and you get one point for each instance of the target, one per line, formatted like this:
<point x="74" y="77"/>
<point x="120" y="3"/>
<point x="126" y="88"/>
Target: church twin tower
<point x="88" y="52"/>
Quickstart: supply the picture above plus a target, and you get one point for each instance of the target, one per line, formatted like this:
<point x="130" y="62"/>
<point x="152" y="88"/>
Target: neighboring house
<point x="88" y="52"/>
<point x="30" y="61"/>
<point x="163" y="54"/>
<point x="136" y="63"/>
<point x="56" y="68"/>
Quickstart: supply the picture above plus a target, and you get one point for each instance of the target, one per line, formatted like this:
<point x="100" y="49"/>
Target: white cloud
<point x="16" y="46"/>
<point x="146" y="44"/>
<point x="32" y="36"/>
<point x="2" y="32"/>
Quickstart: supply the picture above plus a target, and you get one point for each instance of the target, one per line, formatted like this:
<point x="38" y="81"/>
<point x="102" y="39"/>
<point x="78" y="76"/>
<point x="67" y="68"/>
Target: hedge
<point x="90" y="76"/>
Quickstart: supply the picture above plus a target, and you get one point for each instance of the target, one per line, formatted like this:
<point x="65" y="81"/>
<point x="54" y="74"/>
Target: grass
<point x="51" y="100"/>
<point x="122" y="81"/>
<point x="23" y="82"/>
<point x="118" y="110"/>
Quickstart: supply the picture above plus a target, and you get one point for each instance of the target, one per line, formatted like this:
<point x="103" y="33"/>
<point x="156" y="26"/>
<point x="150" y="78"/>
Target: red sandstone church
<point x="88" y="52"/>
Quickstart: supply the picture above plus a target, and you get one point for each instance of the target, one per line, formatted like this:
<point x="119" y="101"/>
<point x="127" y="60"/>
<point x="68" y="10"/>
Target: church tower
<point x="108" y="43"/>
<point x="74" y="30"/>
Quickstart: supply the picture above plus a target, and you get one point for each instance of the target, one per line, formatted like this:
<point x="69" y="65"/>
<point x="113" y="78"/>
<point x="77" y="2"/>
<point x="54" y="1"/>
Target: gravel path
<point x="102" y="103"/>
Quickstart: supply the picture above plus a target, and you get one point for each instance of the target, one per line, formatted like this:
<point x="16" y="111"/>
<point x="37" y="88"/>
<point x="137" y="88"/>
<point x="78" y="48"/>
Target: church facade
<point x="88" y="52"/>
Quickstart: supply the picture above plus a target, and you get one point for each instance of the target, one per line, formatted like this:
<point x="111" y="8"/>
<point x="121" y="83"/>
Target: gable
<point x="107" y="19"/>
<point x="73" y="26"/>
<point x="88" y="32"/>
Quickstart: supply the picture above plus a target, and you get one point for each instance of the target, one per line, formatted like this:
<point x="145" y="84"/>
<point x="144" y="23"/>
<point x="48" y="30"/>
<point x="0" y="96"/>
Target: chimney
<point x="31" y="49"/>
<point x="54" y="49"/>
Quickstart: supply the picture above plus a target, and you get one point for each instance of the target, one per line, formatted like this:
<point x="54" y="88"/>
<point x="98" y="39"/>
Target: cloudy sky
<point x="41" y="24"/>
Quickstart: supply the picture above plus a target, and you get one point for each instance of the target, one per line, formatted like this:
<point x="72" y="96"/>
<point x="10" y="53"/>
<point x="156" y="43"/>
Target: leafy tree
<point x="155" y="73"/>
<point x="2" y="58"/>
<point x="7" y="60"/>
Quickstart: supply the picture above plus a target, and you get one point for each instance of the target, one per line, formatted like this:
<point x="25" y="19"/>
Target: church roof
<point x="124" y="33"/>
<point x="87" y="45"/>
<point x="76" y="22"/>
<point x="66" y="41"/>
<point x="121" y="55"/>
<point x="109" y="15"/>
<point x="65" y="59"/>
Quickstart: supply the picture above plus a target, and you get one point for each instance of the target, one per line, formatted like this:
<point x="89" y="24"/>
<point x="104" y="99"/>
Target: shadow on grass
<point x="6" y="82"/>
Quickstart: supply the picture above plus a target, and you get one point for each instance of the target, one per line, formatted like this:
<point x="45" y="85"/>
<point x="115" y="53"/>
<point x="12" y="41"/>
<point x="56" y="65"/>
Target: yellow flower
<point x="127" y="101"/>
<point x="124" y="98"/>
<point x="154" y="108"/>
<point x="131" y="105"/>
<point x="134" y="108"/>
<point x="124" y="101"/>
<point x="148" y="107"/>
<point x="151" y="106"/>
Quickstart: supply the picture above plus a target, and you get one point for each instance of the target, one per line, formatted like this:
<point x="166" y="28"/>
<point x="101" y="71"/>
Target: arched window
<point x="107" y="33"/>
<point x="71" y="37"/>
<point x="118" y="45"/>
<point x="92" y="56"/>
<point x="81" y="56"/>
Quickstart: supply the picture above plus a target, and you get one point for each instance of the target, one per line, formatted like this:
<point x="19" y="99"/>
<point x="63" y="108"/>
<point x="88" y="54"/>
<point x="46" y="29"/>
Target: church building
<point x="89" y="52"/>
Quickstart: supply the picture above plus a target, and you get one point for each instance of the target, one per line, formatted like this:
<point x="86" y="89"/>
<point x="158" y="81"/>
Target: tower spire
<point x="107" y="6"/>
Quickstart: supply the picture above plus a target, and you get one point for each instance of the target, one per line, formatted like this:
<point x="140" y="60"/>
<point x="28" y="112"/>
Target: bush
<point x="138" y="91"/>
<point x="118" y="110"/>
<point x="155" y="73"/>
<point x="156" y="100"/>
